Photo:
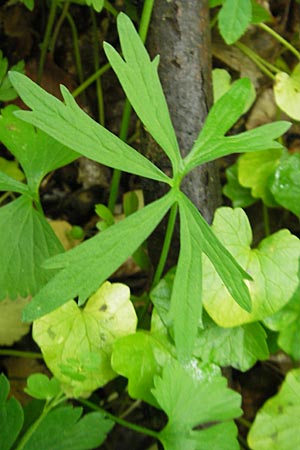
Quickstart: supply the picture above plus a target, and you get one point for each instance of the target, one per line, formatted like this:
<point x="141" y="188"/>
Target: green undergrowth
<point x="216" y="308"/>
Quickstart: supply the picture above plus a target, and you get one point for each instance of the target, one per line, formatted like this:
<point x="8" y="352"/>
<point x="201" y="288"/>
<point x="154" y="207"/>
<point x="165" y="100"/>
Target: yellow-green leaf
<point x="77" y="342"/>
<point x="287" y="92"/>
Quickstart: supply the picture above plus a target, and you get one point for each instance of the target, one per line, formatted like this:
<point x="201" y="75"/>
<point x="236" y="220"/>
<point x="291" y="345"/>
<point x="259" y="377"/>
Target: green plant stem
<point x="131" y="408"/>
<point x="280" y="39"/>
<point x="115" y="182"/>
<point x="266" y="220"/>
<point x="20" y="354"/>
<point x="77" y="55"/>
<point x="99" y="91"/>
<point x="109" y="7"/>
<point x="166" y="245"/>
<point x="46" y="41"/>
<point x="58" y="27"/>
<point x="4" y="196"/>
<point x="261" y="60"/>
<point x="47" y="408"/>
<point x="122" y="422"/>
<point x="145" y="19"/>
<point x="244" y="422"/>
<point x="33" y="428"/>
<point x="143" y="30"/>
<point x="90" y="80"/>
<point x="257" y="60"/>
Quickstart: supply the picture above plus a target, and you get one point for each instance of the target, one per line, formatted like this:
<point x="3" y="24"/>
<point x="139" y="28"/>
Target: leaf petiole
<point x="118" y="420"/>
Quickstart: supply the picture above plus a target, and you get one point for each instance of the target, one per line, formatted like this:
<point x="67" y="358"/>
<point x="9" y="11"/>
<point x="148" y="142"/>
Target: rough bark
<point x="180" y="34"/>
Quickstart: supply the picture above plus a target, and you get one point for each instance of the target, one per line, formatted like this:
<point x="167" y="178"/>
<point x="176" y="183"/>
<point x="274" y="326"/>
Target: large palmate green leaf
<point x="11" y="416"/>
<point x="26" y="241"/>
<point x="234" y="18"/>
<point x="238" y="347"/>
<point x="85" y="267"/>
<point x="77" y="342"/>
<point x="192" y="396"/>
<point x="273" y="267"/>
<point x="276" y="426"/>
<point x="255" y="171"/>
<point x="64" y="429"/>
<point x="139" y="78"/>
<point x="37" y="152"/>
<point x="70" y="125"/>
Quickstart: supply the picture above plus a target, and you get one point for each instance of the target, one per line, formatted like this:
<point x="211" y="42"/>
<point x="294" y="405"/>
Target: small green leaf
<point x="222" y="83"/>
<point x="77" y="343"/>
<point x="286" y="183"/>
<point x="240" y="196"/>
<point x="139" y="78"/>
<point x="139" y="357"/>
<point x="7" y="92"/>
<point x="91" y="263"/>
<point x="192" y="396"/>
<point x="26" y="241"/>
<point x="287" y="322"/>
<point x="273" y="267"/>
<point x="96" y="4"/>
<point x="259" y="13"/>
<point x="238" y="347"/>
<point x="37" y="152"/>
<point x="255" y="171"/>
<point x="106" y="215"/>
<point x="234" y="18"/>
<point x="63" y="429"/>
<point x="276" y="425"/>
<point x="11" y="416"/>
<point x="39" y="386"/>
<point x="287" y="92"/>
<point x="68" y="124"/>
<point x="29" y="4"/>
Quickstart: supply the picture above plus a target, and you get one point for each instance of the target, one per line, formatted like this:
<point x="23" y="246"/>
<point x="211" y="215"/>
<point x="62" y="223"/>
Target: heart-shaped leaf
<point x="287" y="92"/>
<point x="77" y="342"/>
<point x="273" y="267"/>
